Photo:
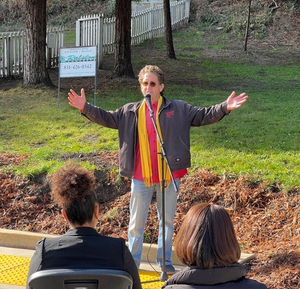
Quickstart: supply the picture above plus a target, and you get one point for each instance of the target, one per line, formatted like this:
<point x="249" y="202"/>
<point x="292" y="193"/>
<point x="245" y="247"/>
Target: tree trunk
<point x="247" y="26"/>
<point x="168" y="30"/>
<point x="35" y="71"/>
<point x="123" y="66"/>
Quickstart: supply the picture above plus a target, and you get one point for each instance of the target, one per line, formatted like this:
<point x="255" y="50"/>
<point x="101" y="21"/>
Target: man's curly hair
<point x="72" y="188"/>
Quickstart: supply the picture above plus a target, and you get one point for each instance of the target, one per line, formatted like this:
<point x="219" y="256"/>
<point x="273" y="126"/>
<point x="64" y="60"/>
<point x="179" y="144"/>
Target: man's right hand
<point x="76" y="100"/>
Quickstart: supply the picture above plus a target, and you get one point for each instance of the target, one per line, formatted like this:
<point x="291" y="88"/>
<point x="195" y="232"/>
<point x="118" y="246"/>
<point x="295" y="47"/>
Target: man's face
<point x="150" y="85"/>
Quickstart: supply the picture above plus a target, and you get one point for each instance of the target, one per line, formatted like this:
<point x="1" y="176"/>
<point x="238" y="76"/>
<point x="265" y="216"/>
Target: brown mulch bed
<point x="267" y="221"/>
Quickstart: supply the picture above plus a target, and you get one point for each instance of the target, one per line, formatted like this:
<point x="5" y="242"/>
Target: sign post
<point x="78" y="62"/>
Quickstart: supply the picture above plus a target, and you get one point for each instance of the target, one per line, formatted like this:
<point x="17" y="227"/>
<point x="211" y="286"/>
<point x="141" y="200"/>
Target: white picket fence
<point x="90" y="31"/>
<point x="55" y="40"/>
<point x="12" y="50"/>
<point x="11" y="53"/>
<point x="96" y="30"/>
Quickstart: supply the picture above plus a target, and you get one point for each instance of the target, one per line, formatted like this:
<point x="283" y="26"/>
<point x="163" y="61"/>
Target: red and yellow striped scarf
<point x="144" y="147"/>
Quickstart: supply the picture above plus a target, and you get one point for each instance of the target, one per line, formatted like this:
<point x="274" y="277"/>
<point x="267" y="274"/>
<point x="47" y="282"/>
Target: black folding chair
<point x="80" y="279"/>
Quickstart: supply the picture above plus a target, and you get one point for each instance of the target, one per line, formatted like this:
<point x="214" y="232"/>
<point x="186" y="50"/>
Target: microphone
<point x="148" y="99"/>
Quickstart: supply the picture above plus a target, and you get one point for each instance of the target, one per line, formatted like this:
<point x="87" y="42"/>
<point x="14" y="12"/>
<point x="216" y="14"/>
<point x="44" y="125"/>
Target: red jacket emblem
<point x="169" y="114"/>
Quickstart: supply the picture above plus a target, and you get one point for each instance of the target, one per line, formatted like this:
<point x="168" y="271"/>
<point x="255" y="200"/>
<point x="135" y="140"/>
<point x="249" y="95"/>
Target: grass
<point x="259" y="140"/>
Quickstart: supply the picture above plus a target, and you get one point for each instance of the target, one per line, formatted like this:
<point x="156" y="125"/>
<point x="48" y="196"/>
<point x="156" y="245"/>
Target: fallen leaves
<point x="266" y="223"/>
<point x="6" y="159"/>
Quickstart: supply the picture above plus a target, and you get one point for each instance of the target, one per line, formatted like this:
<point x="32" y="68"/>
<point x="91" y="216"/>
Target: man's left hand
<point x="236" y="102"/>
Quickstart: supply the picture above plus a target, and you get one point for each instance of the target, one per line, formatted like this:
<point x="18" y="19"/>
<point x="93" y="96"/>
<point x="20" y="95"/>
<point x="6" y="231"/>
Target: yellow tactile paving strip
<point x="150" y="276"/>
<point x="13" y="271"/>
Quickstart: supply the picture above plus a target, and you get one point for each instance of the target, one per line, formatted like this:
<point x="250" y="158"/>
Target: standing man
<point x="138" y="149"/>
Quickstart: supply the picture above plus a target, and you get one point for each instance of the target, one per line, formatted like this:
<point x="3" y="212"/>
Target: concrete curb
<point x="28" y="240"/>
<point x="21" y="239"/>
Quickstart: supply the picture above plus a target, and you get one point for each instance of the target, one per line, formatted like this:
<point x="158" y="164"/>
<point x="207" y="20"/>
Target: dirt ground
<point x="267" y="221"/>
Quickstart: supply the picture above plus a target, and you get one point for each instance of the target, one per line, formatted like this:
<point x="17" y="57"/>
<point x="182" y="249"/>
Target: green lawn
<point x="259" y="140"/>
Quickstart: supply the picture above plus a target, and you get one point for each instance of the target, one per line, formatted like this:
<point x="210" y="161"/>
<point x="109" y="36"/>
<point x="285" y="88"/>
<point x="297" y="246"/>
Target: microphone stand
<point x="163" y="275"/>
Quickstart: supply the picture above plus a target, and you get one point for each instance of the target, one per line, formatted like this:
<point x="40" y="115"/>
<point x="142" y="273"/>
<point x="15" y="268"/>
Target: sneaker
<point x="169" y="268"/>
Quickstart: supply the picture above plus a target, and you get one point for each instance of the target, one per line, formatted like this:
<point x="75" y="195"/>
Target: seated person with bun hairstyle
<point x="206" y="243"/>
<point x="81" y="247"/>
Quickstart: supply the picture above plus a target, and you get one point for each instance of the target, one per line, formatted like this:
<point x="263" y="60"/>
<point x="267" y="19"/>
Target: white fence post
<point x="77" y="40"/>
<point x="11" y="57"/>
<point x="7" y="63"/>
<point x="54" y="40"/>
<point x="100" y="42"/>
<point x="89" y="32"/>
<point x="12" y="51"/>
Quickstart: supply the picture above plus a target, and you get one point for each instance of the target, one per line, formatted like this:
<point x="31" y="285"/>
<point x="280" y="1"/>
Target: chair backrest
<point x="80" y="279"/>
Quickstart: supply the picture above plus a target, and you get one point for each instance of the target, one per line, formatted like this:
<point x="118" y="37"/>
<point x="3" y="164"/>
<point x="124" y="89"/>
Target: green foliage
<point x="147" y="238"/>
<point x="12" y="12"/>
<point x="232" y="17"/>
<point x="209" y="20"/>
<point x="110" y="214"/>
<point x="111" y="7"/>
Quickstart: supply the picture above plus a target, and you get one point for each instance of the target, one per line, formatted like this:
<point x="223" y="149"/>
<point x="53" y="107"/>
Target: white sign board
<point x="78" y="62"/>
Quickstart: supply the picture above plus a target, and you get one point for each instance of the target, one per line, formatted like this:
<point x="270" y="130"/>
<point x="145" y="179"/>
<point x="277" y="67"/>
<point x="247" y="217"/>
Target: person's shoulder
<point x="40" y="243"/>
<point x="252" y="284"/>
<point x="117" y="243"/>
<point x="175" y="102"/>
<point x="168" y="100"/>
<point x="113" y="239"/>
<point x="48" y="243"/>
<point x="130" y="105"/>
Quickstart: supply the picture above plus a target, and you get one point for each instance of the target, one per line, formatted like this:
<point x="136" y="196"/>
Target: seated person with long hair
<point x="206" y="243"/>
<point x="81" y="247"/>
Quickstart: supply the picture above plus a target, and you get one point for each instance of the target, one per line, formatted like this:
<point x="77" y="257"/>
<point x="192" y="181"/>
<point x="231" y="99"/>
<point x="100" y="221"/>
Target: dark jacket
<point x="84" y="248"/>
<point x="175" y="117"/>
<point x="232" y="277"/>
